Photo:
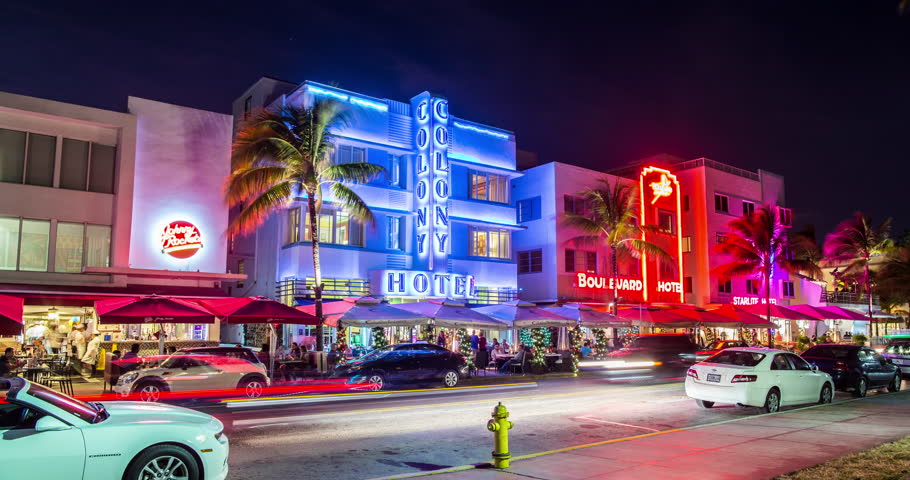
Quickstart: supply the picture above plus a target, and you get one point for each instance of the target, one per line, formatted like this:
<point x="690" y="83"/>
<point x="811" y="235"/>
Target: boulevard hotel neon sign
<point x="660" y="205"/>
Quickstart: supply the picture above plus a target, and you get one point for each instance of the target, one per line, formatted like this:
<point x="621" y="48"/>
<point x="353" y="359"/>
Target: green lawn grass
<point x="890" y="461"/>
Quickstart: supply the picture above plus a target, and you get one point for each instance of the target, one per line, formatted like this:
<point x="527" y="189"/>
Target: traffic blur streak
<point x="216" y="395"/>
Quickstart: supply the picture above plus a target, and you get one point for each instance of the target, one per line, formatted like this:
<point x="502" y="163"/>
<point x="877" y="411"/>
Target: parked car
<point x="855" y="368"/>
<point x="45" y="434"/>
<point x="233" y="352"/>
<point x="659" y="350"/>
<point x="405" y="363"/>
<point x="757" y="377"/>
<point x="717" y="346"/>
<point x="898" y="351"/>
<point x="186" y="371"/>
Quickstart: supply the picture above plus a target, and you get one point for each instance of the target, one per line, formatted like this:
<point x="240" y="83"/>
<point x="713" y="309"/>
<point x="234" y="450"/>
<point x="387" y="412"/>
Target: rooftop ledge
<point x="147" y="272"/>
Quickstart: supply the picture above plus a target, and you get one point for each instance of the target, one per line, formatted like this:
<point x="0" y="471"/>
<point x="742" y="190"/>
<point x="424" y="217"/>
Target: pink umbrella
<point x="257" y="310"/>
<point x="707" y="318"/>
<point x="11" y="315"/>
<point x="776" y="311"/>
<point x="151" y="309"/>
<point x="844" y="313"/>
<point x="816" y="312"/>
<point x="746" y="319"/>
<point x="655" y="317"/>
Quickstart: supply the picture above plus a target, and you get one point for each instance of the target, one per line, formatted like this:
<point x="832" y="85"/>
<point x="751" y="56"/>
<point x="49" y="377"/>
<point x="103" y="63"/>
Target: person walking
<point x="482" y="342"/>
<point x="90" y="358"/>
<point x="475" y="342"/>
<point x="77" y="340"/>
<point x="441" y="338"/>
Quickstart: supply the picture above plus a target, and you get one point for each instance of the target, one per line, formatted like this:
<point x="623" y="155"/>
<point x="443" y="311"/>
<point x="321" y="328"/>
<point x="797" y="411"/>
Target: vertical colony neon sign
<point x="432" y="185"/>
<point x="657" y="187"/>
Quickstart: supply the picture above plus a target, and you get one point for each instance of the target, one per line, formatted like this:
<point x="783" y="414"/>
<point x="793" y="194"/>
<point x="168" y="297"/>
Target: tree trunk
<point x="317" y="269"/>
<point x="869" y="301"/>
<point x="614" y="272"/>
<point x="767" y="279"/>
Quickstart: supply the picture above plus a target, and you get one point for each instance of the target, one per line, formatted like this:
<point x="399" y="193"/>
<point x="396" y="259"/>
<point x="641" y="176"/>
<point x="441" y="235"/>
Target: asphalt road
<point x="405" y="432"/>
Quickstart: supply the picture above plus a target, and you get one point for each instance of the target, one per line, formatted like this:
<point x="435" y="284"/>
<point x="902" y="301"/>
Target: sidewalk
<point x="763" y="446"/>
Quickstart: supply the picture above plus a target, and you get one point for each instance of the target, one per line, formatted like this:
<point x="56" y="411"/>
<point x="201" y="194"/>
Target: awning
<point x="366" y="312"/>
<point x="777" y="311"/>
<point x="11" y="315"/>
<point x="257" y="310"/>
<point x="746" y="319"/>
<point x="589" y="317"/>
<point x="656" y="317"/>
<point x="521" y="314"/>
<point x="447" y="314"/>
<point x="707" y="318"/>
<point x="151" y="309"/>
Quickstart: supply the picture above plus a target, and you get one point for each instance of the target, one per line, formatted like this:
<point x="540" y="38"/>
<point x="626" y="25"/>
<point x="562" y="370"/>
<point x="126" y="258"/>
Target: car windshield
<point x="899" y="347"/>
<point x="736" y="357"/>
<point x="378" y="353"/>
<point x="77" y="408"/>
<point x="718" y="345"/>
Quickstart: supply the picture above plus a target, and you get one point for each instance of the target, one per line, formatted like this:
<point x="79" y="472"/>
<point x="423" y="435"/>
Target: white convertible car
<point x="757" y="377"/>
<point x="45" y="434"/>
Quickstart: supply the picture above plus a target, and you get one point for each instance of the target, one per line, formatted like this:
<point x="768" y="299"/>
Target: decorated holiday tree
<point x="464" y="345"/>
<point x="575" y="339"/>
<point x="539" y="342"/>
<point x="341" y="343"/>
<point x="601" y="341"/>
<point x="379" y="338"/>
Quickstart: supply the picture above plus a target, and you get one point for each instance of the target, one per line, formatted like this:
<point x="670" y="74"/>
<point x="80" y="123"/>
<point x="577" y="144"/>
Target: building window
<point x="789" y="290"/>
<point x="687" y="284"/>
<point x="489" y="187"/>
<point x="395" y="232"/>
<point x="34" y="245"/>
<point x="686" y="244"/>
<point x="748" y="208"/>
<point x="68" y="247"/>
<point x="394" y="171"/>
<point x="786" y="216"/>
<point x="685" y="203"/>
<point x="74" y="164"/>
<point x="752" y="287"/>
<point x="721" y="203"/>
<point x="241" y="269"/>
<point x="247" y="108"/>
<point x="666" y="222"/>
<point x="293" y="226"/>
<point x="335" y="227"/>
<point x="12" y="155"/>
<point x="349" y="154"/>
<point x="581" y="261"/>
<point x="39" y="166"/>
<point x="576" y="205"/>
<point x="528" y="209"/>
<point x="101" y="168"/>
<point x="493" y="243"/>
<point x="530" y="261"/>
<point x="97" y="246"/>
<point x="720" y="237"/>
<point x="9" y="241"/>
<point x="725" y="287"/>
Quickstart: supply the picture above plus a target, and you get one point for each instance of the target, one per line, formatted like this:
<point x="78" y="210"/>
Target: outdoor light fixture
<point x="52" y="313"/>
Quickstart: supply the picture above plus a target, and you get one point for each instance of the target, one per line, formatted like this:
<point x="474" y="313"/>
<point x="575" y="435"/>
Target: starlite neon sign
<point x="663" y="188"/>
<point x="180" y="239"/>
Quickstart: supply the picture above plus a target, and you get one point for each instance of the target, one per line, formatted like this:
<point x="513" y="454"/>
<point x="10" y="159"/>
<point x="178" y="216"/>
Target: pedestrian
<point x="133" y="353"/>
<point x="54" y="338"/>
<point x="90" y="358"/>
<point x="77" y="340"/>
<point x="482" y="342"/>
<point x="441" y="338"/>
<point x="475" y="341"/>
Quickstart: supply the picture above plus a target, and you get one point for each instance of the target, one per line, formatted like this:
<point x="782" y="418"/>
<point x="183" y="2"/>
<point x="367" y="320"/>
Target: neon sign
<point x="661" y="188"/>
<point x="431" y="190"/>
<point x="180" y="239"/>
<point x="597" y="282"/>
<point x="484" y="131"/>
<point x="752" y="301"/>
<point x="414" y="283"/>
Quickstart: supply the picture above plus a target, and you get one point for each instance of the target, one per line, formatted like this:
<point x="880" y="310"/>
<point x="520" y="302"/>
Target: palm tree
<point x="612" y="219"/>
<point x="805" y="253"/>
<point x="756" y="244"/>
<point x="893" y="281"/>
<point x="855" y="242"/>
<point x="285" y="153"/>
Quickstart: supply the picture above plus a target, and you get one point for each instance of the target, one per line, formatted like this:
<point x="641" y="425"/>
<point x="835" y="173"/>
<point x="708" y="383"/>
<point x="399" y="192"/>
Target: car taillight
<point x="744" y="378"/>
<point x="692" y="373"/>
<point x="840" y="365"/>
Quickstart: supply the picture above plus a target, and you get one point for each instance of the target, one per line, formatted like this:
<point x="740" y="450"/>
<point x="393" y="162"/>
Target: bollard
<point x="500" y="426"/>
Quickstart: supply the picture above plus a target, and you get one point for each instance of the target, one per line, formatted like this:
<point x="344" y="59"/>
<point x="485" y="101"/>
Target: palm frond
<point x="245" y="183"/>
<point x="586" y="241"/>
<point x="266" y="203"/>
<point x="361" y="172"/>
<point x="581" y="223"/>
<point x="353" y="203"/>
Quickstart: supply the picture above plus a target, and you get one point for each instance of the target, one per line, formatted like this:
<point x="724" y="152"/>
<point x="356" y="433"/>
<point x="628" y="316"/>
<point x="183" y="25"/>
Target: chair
<point x="516" y="367"/>
<point x="111" y="374"/>
<point x="60" y="377"/>
<point x="482" y="361"/>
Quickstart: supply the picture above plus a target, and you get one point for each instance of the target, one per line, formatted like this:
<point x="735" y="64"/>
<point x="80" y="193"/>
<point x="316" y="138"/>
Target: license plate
<point x="713" y="377"/>
<point x="898" y="361"/>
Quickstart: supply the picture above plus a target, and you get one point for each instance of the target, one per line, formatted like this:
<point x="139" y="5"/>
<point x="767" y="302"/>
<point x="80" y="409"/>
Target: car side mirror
<point x="814" y="367"/>
<point x="48" y="423"/>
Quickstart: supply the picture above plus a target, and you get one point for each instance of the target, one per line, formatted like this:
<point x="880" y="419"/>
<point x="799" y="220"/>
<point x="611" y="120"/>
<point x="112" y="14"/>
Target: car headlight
<point x="129" y="378"/>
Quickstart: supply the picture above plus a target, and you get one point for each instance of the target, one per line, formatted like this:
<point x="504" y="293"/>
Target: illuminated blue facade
<point x="443" y="211"/>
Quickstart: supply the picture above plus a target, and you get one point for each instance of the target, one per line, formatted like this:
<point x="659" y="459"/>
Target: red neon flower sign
<point x="180" y="239"/>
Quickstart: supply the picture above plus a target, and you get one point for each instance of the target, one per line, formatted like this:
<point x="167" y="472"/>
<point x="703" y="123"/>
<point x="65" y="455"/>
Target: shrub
<point x="860" y="339"/>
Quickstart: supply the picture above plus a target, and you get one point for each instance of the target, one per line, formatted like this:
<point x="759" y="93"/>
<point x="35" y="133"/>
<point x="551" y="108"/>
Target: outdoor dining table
<point x="31" y="373"/>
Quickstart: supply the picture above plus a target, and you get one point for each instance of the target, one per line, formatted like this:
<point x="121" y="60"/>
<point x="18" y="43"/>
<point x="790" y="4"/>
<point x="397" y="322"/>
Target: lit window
<point x="34" y="247"/>
<point x="786" y="217"/>
<point x="492" y="243"/>
<point x="9" y="242"/>
<point x="241" y="269"/>
<point x="721" y="203"/>
<point x="335" y="227"/>
<point x="748" y="208"/>
<point x="293" y="225"/>
<point x="725" y="287"/>
<point x="68" y="248"/>
<point x="349" y="154"/>
<point x="666" y="222"/>
<point x="395" y="232"/>
<point x="489" y="187"/>
<point x="686" y="244"/>
<point x="530" y="261"/>
<point x="789" y="289"/>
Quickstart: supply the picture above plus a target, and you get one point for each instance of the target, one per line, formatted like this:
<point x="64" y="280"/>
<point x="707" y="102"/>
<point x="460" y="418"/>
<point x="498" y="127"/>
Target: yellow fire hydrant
<point x="500" y="426"/>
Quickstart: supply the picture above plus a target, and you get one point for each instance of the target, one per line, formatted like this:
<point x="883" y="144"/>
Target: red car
<point x="717" y="346"/>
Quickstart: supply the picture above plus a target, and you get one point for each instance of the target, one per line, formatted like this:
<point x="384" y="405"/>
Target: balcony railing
<point x="295" y="288"/>
<point x="853" y="298"/>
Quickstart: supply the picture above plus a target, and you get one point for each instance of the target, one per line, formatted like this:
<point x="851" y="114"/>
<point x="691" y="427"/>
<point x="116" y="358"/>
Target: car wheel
<point x="163" y="462"/>
<point x="252" y="387"/>
<point x="896" y="383"/>
<point x="704" y="403"/>
<point x="150" y="391"/>
<point x="861" y="387"/>
<point x="376" y="382"/>
<point x="772" y="402"/>
<point x="450" y="378"/>
<point x="827" y="394"/>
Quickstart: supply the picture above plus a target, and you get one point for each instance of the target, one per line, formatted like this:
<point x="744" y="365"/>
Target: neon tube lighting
<point x="369" y="104"/>
<point x="482" y="130"/>
<point x="328" y="93"/>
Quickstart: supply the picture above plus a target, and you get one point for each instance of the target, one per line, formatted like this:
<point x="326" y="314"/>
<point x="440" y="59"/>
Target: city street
<point x="410" y="432"/>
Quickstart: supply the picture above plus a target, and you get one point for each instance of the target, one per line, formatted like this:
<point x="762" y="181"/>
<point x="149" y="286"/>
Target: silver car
<point x="187" y="372"/>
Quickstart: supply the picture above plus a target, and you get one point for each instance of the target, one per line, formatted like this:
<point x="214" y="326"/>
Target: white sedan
<point x="45" y="434"/>
<point x="757" y="377"/>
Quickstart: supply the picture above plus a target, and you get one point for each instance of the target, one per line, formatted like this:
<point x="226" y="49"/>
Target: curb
<point x="488" y="465"/>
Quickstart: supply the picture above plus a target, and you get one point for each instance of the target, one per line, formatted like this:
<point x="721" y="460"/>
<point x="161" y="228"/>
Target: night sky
<point x="814" y="90"/>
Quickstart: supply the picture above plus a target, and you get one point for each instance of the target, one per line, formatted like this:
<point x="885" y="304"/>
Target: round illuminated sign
<point x="180" y="239"/>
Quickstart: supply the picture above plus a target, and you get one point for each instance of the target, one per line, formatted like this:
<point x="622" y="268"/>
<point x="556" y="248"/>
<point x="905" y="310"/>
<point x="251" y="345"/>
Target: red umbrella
<point x="151" y="309"/>
<point x="332" y="310"/>
<point x="707" y="318"/>
<point x="844" y="313"/>
<point x="656" y="317"/>
<point x="776" y="311"/>
<point x="747" y="320"/>
<point x="11" y="315"/>
<point x="816" y="312"/>
<point x="257" y="310"/>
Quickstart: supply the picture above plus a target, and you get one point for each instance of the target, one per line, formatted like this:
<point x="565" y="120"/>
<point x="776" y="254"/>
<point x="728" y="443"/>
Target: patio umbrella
<point x="257" y="310"/>
<point x="655" y="317"/>
<point x="707" y="318"/>
<point x="521" y="314"/>
<point x="776" y="311"/>
<point x="815" y="312"/>
<point x="746" y="319"/>
<point x="11" y="315"/>
<point x="367" y="312"/>
<point x="588" y="317"/>
<point x="845" y="314"/>
<point x="152" y="309"/>
<point x="449" y="314"/>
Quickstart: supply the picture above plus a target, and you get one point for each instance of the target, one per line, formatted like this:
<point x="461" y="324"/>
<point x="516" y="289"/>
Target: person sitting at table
<point x="586" y="350"/>
<point x="295" y="352"/>
<point x="8" y="363"/>
<point x="517" y="360"/>
<point x="133" y="353"/>
<point x="264" y="355"/>
<point x="506" y="348"/>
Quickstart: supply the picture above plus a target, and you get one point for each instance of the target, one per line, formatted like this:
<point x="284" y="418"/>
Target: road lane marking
<point x="387" y="393"/>
<point x="598" y="420"/>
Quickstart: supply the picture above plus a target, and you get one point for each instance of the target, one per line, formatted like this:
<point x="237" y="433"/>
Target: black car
<point x="657" y="350"/>
<point x="405" y="363"/>
<point x="855" y="368"/>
